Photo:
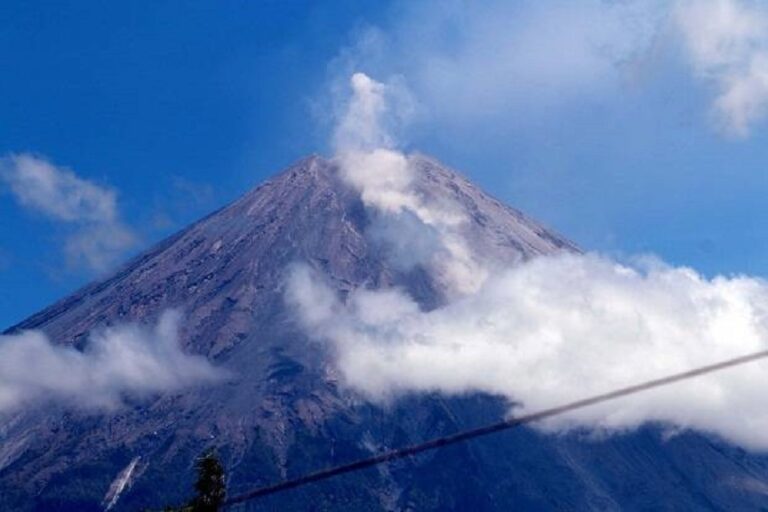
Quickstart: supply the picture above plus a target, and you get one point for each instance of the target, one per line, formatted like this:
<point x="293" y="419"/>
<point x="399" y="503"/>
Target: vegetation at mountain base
<point x="210" y="486"/>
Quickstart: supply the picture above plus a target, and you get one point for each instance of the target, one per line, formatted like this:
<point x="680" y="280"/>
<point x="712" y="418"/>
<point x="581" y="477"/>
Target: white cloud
<point x="127" y="360"/>
<point x="511" y="55"/>
<point x="728" y="44"/>
<point x="470" y="63"/>
<point x="477" y="60"/>
<point x="557" y="329"/>
<point x="57" y="192"/>
<point x="98" y="236"/>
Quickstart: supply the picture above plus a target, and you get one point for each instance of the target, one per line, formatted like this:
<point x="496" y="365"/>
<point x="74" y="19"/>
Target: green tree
<point x="210" y="487"/>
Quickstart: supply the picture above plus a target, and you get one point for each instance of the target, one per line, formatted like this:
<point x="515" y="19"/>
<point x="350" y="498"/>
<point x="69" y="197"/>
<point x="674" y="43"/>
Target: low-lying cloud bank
<point x="557" y="329"/>
<point x="118" y="362"/>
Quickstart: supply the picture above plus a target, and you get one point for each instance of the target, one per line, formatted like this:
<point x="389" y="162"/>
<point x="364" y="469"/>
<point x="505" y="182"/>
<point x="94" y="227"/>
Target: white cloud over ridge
<point x="98" y="237"/>
<point x="127" y="360"/>
<point x="558" y="329"/>
<point x="469" y="62"/>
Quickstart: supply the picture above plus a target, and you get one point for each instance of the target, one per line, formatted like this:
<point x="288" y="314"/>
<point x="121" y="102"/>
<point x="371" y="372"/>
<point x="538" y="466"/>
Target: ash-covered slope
<point x="282" y="412"/>
<point x="232" y="262"/>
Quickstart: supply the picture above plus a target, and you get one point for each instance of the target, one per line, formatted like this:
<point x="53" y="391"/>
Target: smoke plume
<point x="384" y="178"/>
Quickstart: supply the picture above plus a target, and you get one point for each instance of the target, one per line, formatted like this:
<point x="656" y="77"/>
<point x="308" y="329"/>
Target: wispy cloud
<point x="127" y="360"/>
<point x="471" y="62"/>
<point x="728" y="45"/>
<point x="97" y="236"/>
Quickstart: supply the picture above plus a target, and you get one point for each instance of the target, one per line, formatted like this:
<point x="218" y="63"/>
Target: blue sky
<point x="601" y="119"/>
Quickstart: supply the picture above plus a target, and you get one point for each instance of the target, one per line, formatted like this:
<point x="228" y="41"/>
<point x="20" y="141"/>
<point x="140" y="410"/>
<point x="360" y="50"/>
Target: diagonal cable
<point x="490" y="429"/>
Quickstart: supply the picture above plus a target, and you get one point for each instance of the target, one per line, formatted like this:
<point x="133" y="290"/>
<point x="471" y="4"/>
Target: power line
<point x="489" y="429"/>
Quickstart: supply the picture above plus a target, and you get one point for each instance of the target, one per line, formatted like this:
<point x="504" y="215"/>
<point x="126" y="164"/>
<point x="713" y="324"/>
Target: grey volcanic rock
<point x="283" y="413"/>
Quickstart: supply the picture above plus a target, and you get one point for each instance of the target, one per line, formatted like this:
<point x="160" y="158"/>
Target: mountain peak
<point x="306" y="212"/>
<point x="226" y="274"/>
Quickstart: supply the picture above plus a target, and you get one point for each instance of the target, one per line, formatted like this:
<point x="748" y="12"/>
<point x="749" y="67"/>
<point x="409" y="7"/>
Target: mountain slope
<point x="283" y="412"/>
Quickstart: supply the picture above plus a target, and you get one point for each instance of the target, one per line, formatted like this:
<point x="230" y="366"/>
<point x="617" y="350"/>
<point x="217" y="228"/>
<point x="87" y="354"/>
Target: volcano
<point x="284" y="411"/>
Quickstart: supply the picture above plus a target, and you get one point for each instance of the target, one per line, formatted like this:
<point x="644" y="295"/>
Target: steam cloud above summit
<point x="543" y="332"/>
<point x="384" y="177"/>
